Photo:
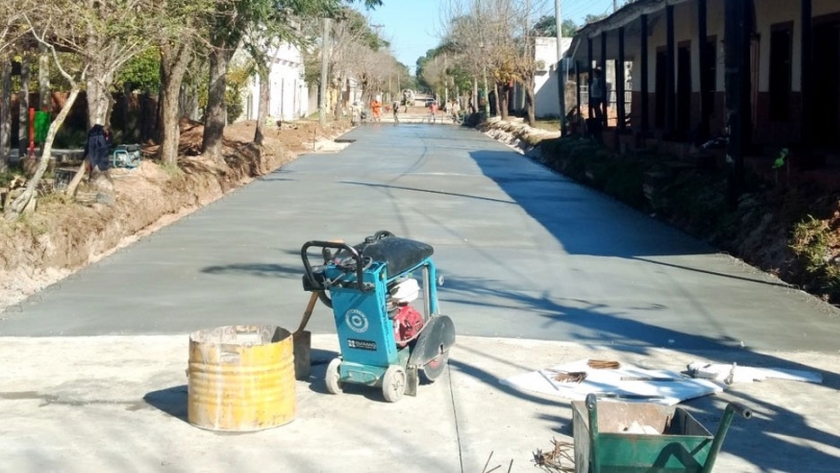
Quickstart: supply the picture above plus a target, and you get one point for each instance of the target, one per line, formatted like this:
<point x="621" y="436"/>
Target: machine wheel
<point x="393" y="383"/>
<point x="433" y="369"/>
<point x="332" y="378"/>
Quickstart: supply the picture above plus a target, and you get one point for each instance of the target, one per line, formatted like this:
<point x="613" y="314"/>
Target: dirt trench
<point x="63" y="236"/>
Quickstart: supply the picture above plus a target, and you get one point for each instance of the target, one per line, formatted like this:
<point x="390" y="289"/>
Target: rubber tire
<point x="332" y="378"/>
<point x="393" y="383"/>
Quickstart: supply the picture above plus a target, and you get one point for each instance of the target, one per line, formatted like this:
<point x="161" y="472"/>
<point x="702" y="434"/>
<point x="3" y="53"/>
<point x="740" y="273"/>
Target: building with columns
<point x="766" y="69"/>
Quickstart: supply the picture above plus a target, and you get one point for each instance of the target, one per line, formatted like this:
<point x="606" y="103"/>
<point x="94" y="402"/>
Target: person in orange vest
<point x="433" y="112"/>
<point x="376" y="106"/>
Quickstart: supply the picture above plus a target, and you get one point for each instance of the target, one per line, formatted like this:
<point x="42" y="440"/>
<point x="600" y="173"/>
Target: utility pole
<point x="325" y="47"/>
<point x="561" y="73"/>
<point x="615" y="5"/>
<point x="445" y="79"/>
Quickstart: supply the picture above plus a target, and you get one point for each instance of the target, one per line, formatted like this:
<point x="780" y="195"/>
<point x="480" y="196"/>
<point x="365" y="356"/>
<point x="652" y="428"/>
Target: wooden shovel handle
<point x="307" y="314"/>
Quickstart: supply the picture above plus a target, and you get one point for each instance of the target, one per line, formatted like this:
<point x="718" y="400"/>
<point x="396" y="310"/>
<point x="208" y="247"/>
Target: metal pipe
<point x="720" y="435"/>
<point x="592" y="407"/>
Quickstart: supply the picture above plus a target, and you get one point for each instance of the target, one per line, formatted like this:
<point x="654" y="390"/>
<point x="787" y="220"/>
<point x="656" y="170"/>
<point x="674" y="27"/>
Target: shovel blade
<point x="303" y="354"/>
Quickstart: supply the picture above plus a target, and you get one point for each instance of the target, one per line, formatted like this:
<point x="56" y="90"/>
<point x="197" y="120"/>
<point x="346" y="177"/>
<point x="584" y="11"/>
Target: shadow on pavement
<point x="589" y="223"/>
<point x="774" y="434"/>
<point x="172" y="401"/>
<point x="263" y="270"/>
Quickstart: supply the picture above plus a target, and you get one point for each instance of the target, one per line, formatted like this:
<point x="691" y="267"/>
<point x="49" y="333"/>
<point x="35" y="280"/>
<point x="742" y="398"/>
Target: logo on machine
<point x="361" y="344"/>
<point x="356" y="320"/>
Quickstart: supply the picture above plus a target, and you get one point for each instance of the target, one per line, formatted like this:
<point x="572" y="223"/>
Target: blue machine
<point x="385" y="341"/>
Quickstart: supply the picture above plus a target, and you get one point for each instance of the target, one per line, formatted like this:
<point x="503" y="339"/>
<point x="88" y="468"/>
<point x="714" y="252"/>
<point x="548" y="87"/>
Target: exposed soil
<point x="63" y="235"/>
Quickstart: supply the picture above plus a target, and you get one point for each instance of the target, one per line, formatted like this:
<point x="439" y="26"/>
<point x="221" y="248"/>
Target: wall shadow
<point x="588" y="223"/>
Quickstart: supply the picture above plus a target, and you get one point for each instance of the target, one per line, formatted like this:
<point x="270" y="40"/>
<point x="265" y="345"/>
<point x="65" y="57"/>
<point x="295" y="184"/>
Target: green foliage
<point x="69" y="137"/>
<point x="694" y="200"/>
<point x="813" y="241"/>
<point x="142" y="72"/>
<point x="171" y="170"/>
<point x="594" y="18"/>
<point x="547" y="26"/>
<point x="237" y="82"/>
<point x="9" y="175"/>
<point x="810" y="242"/>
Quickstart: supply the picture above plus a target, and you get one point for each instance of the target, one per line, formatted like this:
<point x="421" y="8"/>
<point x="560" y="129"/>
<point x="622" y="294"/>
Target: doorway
<point x="826" y="77"/>
<point x="683" y="89"/>
<point x="660" y="91"/>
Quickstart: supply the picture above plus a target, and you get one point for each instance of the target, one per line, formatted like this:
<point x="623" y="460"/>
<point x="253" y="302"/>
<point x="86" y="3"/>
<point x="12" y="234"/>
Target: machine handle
<point x="337" y="246"/>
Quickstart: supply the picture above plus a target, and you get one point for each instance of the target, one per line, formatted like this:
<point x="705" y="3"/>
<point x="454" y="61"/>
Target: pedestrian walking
<point x="396" y="111"/>
<point x="376" y="108"/>
<point x="455" y="110"/>
<point x="433" y="112"/>
<point x="596" y="96"/>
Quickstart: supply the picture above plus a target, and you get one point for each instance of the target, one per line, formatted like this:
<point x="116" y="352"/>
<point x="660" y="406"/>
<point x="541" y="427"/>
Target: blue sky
<point x="413" y="26"/>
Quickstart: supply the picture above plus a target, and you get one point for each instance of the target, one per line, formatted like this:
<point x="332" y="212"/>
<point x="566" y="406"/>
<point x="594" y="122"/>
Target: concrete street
<point x="527" y="254"/>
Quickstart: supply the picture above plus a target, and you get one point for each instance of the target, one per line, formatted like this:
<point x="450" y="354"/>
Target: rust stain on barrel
<point x="241" y="378"/>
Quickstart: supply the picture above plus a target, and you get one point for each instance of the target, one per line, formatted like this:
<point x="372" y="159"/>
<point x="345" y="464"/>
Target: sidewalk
<point x="119" y="404"/>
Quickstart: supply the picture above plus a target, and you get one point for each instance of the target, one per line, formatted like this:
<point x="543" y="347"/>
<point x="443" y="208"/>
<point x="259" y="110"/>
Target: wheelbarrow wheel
<point x="393" y="383"/>
<point x="333" y="377"/>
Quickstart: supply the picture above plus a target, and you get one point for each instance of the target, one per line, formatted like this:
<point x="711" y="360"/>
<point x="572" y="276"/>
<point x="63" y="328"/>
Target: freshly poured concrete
<point x="526" y="253"/>
<point x="93" y="368"/>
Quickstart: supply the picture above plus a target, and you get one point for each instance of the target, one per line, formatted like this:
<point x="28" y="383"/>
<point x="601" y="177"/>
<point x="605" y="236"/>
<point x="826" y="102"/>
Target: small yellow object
<point x="241" y="378"/>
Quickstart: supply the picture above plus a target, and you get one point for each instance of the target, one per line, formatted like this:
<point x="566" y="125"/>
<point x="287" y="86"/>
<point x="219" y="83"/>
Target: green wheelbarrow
<point x="630" y="437"/>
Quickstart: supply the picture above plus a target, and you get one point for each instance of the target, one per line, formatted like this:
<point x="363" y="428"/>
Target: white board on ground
<point x="745" y="374"/>
<point x="657" y="386"/>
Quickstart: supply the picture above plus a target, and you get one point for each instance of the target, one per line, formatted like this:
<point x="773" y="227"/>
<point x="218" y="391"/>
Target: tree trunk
<point x="265" y="101"/>
<point x="502" y="99"/>
<point x="99" y="94"/>
<point x="5" y="111"/>
<point x="475" y="96"/>
<point x="16" y="208"/>
<point x="44" y="95"/>
<point x="23" y="107"/>
<point x="530" y="104"/>
<point x="215" y="117"/>
<point x="174" y="62"/>
<point x="339" y="105"/>
<point x="496" y="108"/>
<point x="530" y="100"/>
<point x="188" y="103"/>
<point x="129" y="119"/>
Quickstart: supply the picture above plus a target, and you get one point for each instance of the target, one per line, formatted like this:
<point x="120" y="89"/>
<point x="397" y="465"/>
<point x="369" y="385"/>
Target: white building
<point x="289" y="92"/>
<point x="545" y="82"/>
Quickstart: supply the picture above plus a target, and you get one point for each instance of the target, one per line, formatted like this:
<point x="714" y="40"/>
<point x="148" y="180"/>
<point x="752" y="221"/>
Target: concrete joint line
<point x="455" y="415"/>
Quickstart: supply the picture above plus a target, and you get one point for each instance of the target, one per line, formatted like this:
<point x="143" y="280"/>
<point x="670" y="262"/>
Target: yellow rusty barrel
<point x="241" y="378"/>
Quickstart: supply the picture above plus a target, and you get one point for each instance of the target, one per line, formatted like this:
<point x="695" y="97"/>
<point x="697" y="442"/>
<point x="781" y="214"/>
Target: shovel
<point x="303" y="342"/>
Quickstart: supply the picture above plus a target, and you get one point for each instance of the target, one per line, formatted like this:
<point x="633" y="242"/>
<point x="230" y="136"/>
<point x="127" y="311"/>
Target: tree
<point x="45" y="33"/>
<point x="182" y="28"/>
<point x="10" y="31"/>
<point x="497" y="37"/>
<point x="351" y="38"/>
<point x="105" y="35"/>
<point x="228" y="23"/>
<point x="547" y="26"/>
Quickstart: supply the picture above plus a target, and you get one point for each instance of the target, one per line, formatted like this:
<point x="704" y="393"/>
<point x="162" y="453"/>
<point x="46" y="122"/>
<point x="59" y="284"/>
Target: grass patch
<point x="171" y="170"/>
<point x="547" y="124"/>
